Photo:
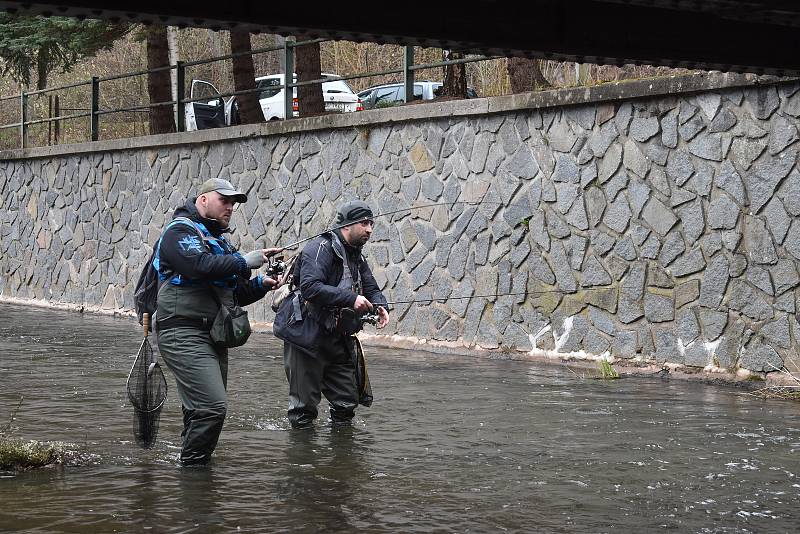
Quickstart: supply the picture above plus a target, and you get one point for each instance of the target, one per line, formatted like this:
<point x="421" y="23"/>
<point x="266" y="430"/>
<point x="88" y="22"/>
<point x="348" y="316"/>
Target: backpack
<point x="145" y="296"/>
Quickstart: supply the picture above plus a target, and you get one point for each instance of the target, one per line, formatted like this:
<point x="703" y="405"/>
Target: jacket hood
<point x="189" y="210"/>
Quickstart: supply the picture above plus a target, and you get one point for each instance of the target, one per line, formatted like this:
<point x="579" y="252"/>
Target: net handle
<point x="146" y="323"/>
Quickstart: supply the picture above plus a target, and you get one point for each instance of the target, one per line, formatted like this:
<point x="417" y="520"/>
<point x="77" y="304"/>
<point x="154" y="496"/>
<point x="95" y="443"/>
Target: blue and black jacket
<point x="192" y="269"/>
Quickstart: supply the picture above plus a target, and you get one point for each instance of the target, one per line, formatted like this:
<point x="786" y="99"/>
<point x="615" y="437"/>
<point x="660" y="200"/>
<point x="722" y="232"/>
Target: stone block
<point x="776" y="333"/>
<point x="633" y="283"/>
<point x="758" y="242"/>
<point x="760" y="278"/>
<point x="767" y="174"/>
<point x="602" y="320"/>
<point x="634" y="160"/>
<point x="658" y="216"/>
<point x="595" y="205"/>
<point x="595" y="343"/>
<point x="644" y="128"/>
<point x="687" y="327"/>
<point x="744" y="298"/>
<point x="792" y="242"/>
<point x="761" y="358"/>
<point x="625" y="249"/>
<point x="679" y="166"/>
<point x="782" y="133"/>
<point x="708" y="146"/>
<point x="657" y="276"/>
<point x="696" y="355"/>
<point x="603" y="298"/>
<point x="791" y="193"/>
<point x="659" y="308"/>
<point x="728" y="179"/>
<point x="712" y="322"/>
<point x="715" y="281"/>
<point x="625" y="344"/>
<point x="689" y="263"/>
<point x="602" y="138"/>
<point x="618" y="215"/>
<point x="689" y="129"/>
<point x="562" y="270"/>
<point x="566" y="170"/>
<point x="723" y="213"/>
<point x="745" y="151"/>
<point x="784" y="275"/>
<point x="669" y="129"/>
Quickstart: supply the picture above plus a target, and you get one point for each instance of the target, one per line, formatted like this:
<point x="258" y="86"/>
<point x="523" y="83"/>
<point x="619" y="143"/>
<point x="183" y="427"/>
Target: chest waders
<point x="332" y="370"/>
<point x="186" y="310"/>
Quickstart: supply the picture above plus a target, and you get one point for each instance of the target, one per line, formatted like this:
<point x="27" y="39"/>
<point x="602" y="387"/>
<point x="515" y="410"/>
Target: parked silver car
<point x="394" y="93"/>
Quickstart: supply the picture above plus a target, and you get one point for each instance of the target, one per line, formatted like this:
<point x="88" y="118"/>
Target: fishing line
<point x="386" y="213"/>
<point x="494" y="295"/>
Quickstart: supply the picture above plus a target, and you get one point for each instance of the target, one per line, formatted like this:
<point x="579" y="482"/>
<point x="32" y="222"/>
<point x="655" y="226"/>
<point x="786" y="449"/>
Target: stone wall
<point x="662" y="228"/>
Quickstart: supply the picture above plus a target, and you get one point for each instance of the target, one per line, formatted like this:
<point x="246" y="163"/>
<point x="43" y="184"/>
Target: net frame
<point x="146" y="388"/>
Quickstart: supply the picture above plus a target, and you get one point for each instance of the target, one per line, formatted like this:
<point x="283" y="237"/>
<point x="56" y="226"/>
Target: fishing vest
<point x="344" y="320"/>
<point x="218" y="246"/>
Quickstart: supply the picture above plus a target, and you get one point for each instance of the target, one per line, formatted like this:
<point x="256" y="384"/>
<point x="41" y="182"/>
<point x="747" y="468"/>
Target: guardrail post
<point x="23" y="119"/>
<point x="288" y="77"/>
<point x="408" y="74"/>
<point x="180" y="117"/>
<point x="57" y="124"/>
<point x="95" y="116"/>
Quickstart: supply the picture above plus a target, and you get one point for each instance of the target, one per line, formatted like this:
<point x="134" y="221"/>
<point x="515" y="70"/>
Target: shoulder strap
<point x="188" y="222"/>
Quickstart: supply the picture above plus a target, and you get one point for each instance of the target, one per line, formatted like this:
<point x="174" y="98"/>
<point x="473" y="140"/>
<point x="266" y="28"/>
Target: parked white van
<point x="215" y="112"/>
<point x="337" y="94"/>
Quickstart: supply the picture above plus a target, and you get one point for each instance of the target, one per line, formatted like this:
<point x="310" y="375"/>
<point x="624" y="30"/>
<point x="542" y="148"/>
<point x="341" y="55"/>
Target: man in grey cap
<point x="199" y="271"/>
<point x="334" y="288"/>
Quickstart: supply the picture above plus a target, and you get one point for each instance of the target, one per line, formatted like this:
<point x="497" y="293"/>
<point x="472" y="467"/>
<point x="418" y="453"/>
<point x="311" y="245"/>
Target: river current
<point x="451" y="444"/>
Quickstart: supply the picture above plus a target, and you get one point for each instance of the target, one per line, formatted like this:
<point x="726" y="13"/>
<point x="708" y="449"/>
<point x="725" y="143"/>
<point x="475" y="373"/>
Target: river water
<point x="452" y="444"/>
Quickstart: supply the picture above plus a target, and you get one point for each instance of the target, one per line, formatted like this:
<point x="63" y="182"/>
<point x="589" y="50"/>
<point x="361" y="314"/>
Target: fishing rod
<point x="386" y="213"/>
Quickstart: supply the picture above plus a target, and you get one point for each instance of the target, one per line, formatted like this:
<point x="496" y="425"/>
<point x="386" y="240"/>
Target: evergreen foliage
<point x="43" y="45"/>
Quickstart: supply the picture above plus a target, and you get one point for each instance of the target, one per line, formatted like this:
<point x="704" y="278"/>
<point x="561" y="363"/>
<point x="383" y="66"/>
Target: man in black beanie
<point x="335" y="287"/>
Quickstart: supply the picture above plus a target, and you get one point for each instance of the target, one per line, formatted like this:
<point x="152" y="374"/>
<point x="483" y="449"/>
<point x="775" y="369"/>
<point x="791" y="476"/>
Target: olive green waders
<point x="201" y="374"/>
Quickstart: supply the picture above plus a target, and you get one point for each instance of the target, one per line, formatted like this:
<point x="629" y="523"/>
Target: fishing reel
<point x="275" y="267"/>
<point x="371" y="318"/>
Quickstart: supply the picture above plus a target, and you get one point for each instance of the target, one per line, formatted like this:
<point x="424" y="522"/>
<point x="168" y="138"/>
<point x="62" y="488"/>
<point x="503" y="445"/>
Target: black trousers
<point x="330" y="372"/>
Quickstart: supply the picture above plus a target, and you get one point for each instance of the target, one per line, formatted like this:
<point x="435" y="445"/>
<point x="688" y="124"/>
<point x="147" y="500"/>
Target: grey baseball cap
<point x="223" y="187"/>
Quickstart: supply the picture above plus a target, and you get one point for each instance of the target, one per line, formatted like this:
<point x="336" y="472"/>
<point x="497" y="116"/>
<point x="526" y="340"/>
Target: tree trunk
<point x="525" y="74"/>
<point x="172" y="42"/>
<point x="158" y="83"/>
<point x="280" y="40"/>
<point x="455" y="76"/>
<point x="308" y="68"/>
<point x="41" y="69"/>
<point x="244" y="79"/>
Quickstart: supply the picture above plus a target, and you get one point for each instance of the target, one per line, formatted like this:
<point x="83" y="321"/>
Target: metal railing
<point x="94" y="112"/>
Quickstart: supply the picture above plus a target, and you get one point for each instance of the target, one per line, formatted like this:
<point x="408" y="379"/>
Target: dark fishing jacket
<point x="192" y="268"/>
<point x="320" y="269"/>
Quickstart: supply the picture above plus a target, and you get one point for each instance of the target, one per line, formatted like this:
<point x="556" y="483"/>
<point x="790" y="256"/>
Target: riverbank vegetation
<point x="790" y="390"/>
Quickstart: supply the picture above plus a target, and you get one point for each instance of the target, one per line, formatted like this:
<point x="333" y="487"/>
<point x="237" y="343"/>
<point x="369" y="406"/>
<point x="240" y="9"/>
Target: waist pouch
<point x="231" y="327"/>
<point x="348" y="321"/>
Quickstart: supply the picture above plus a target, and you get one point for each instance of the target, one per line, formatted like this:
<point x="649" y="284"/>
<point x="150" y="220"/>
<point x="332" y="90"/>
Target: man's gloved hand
<point x="256" y="258"/>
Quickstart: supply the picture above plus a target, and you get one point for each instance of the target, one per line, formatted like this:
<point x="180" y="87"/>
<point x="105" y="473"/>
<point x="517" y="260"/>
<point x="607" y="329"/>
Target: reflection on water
<point x="451" y="444"/>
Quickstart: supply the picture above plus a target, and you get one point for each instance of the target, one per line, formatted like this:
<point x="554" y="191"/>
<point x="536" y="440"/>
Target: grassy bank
<point x="20" y="455"/>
